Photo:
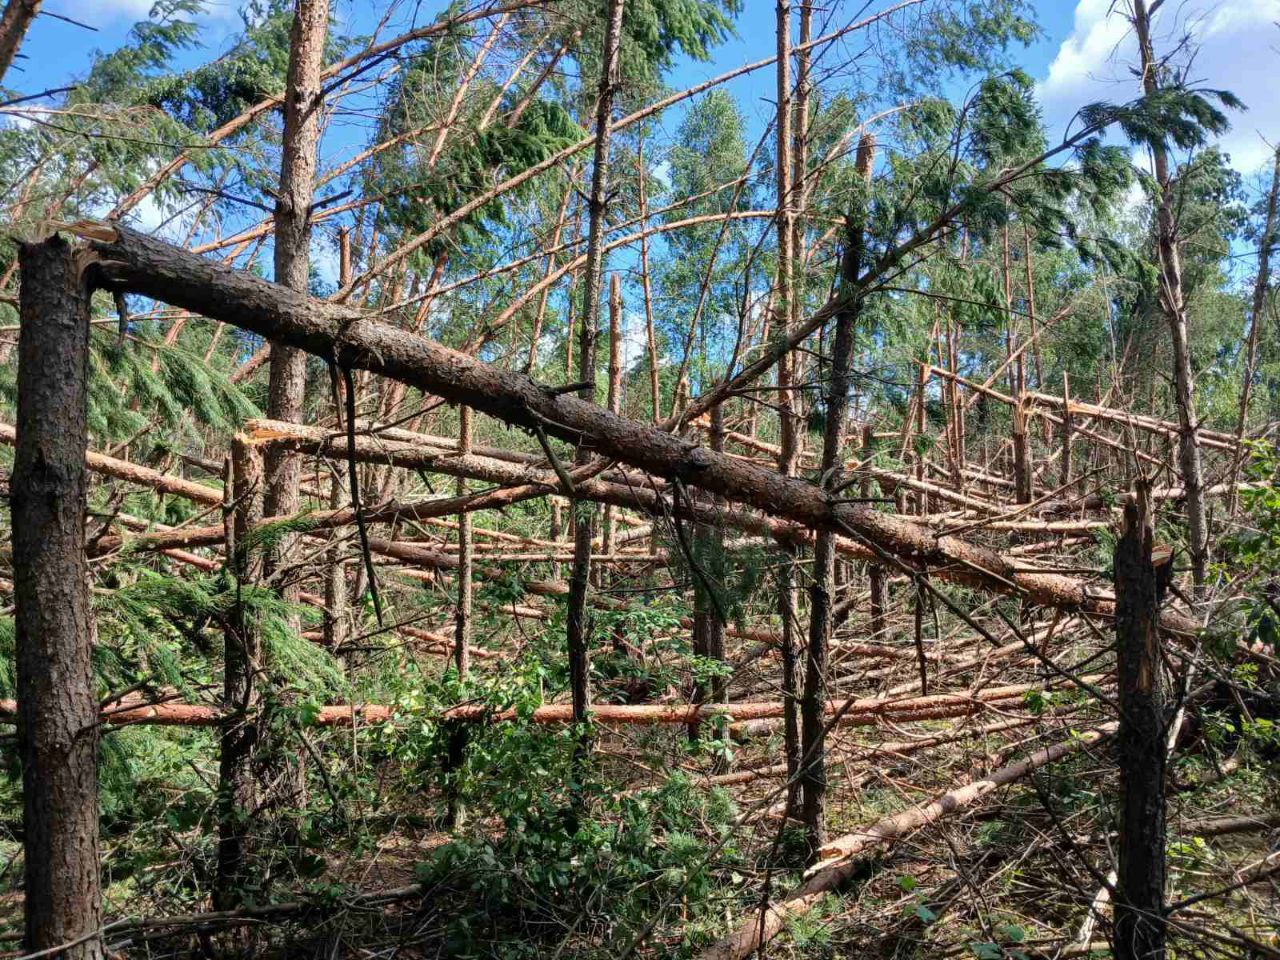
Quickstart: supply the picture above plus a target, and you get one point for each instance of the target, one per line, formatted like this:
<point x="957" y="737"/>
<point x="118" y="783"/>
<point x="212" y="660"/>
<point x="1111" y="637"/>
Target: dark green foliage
<point x="216" y="92"/>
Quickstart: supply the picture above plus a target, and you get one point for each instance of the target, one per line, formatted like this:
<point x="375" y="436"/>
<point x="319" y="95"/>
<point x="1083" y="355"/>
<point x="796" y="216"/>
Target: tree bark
<point x="813" y="776"/>
<point x="58" y="705"/>
<point x="242" y="663"/>
<point x="1141" y="747"/>
<point x="651" y="338"/>
<point x="287" y="378"/>
<point x="578" y="623"/>
<point x="788" y="428"/>
<point x="1174" y="308"/>
<point x="876" y="579"/>
<point x="462" y="623"/>
<point x="302" y="105"/>
<point x="14" y="23"/>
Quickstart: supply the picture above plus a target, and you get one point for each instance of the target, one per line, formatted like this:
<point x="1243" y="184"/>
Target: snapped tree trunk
<point x="57" y="699"/>
<point x="147" y="265"/>
<point x="1141" y="747"/>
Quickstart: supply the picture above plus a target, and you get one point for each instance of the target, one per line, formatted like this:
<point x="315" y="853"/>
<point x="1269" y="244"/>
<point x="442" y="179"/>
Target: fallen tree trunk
<point x="130" y="261"/>
<point x="862" y="712"/>
<point x="839" y="863"/>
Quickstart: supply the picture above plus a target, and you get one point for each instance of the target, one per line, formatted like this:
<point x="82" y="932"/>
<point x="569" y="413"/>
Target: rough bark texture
<point x="242" y="662"/>
<point x="1140" y="922"/>
<point x="58" y="706"/>
<point x="288" y="379"/>
<point x="152" y="267"/>
<point x="813" y="778"/>
<point x="1175" y="313"/>
<point x="17" y="17"/>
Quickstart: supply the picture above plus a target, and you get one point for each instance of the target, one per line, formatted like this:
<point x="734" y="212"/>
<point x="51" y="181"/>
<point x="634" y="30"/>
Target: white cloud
<point x="103" y="12"/>
<point x="1236" y="48"/>
<point x="125" y="13"/>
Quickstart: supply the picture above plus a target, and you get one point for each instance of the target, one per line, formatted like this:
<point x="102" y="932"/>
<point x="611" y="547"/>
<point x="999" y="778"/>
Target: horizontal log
<point x="864" y="711"/>
<point x="130" y="261"/>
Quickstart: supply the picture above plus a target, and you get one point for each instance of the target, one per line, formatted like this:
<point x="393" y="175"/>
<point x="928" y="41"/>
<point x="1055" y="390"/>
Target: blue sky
<point x="1082" y="56"/>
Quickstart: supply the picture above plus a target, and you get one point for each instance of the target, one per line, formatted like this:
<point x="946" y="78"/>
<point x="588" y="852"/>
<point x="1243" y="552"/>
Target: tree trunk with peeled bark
<point x="583" y="513"/>
<point x="1173" y="306"/>
<point x="57" y="701"/>
<point x="1141" y="743"/>
<point x="14" y="23"/>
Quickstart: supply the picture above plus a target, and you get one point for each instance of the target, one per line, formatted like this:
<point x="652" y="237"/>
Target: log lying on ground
<point x="862" y="712"/>
<point x="129" y="261"/>
<point x="493" y="470"/>
<point x="840" y="863"/>
<point x="913" y="540"/>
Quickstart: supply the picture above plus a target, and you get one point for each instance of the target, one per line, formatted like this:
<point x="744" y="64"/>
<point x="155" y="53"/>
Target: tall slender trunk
<point x="287" y="381"/>
<point x="813" y="777"/>
<point x="337" y="601"/>
<point x="876" y="579"/>
<point x="708" y="627"/>
<point x="584" y="514"/>
<point x="788" y="428"/>
<point x="14" y="23"/>
<point x="1141" y="746"/>
<point x="614" y="397"/>
<point x="1174" y="308"/>
<point x="1257" y="304"/>
<point x="57" y="705"/>
<point x="655" y="386"/>
<point x="242" y="661"/>
<point x="1065" y="477"/>
<point x="462" y="620"/>
<point x="302" y="105"/>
